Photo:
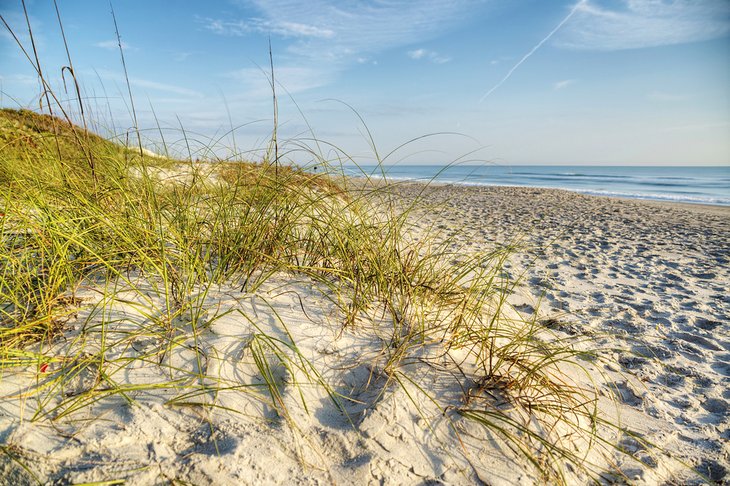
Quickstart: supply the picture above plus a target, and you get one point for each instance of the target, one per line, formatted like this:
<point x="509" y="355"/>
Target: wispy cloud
<point x="630" y="24"/>
<point x="295" y="79"/>
<point x="165" y="87"/>
<point x="563" y="84"/>
<point x="149" y="84"/>
<point x="113" y="45"/>
<point x="697" y="127"/>
<point x="417" y="54"/>
<point x="366" y="60"/>
<point x="181" y="56"/>
<point x="324" y="37"/>
<point x="662" y="96"/>
<point x="283" y="28"/>
<point x="332" y="31"/>
<point x="16" y="21"/>
<point x="22" y="79"/>
<point x="425" y="54"/>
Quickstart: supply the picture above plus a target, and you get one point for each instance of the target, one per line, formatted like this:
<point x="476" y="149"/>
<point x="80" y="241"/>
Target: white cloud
<point x="239" y="28"/>
<point x="417" y="54"/>
<point x="22" y="79"/>
<point x="563" y="84"/>
<point x="168" y="88"/>
<point x="181" y="56"/>
<point x="432" y="56"/>
<point x="303" y="30"/>
<point x="366" y="60"/>
<point x="149" y="84"/>
<point x="663" y="96"/>
<point x="325" y="36"/>
<point x="632" y="24"/>
<point x="113" y="45"/>
<point x="332" y="31"/>
<point x="697" y="127"/>
<point x="295" y="79"/>
<point x="16" y="21"/>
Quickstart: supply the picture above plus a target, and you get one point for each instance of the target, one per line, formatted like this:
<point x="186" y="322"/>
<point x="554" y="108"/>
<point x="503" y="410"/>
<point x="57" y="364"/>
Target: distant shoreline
<point x="720" y="209"/>
<point x="709" y="186"/>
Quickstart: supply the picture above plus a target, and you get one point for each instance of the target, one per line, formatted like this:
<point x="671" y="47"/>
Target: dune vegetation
<point x="165" y="235"/>
<point x="122" y="277"/>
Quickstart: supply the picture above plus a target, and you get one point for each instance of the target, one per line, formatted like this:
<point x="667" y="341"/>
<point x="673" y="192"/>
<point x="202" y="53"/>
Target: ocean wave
<point x="689" y="185"/>
<point x="668" y="197"/>
<point x="712" y="200"/>
<point x="632" y="181"/>
<point x="573" y="175"/>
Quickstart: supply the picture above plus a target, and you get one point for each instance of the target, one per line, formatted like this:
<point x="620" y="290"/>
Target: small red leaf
<point x="44" y="367"/>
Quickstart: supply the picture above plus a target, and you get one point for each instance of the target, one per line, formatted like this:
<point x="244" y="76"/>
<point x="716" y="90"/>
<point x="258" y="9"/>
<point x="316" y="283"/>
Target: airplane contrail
<point x="532" y="51"/>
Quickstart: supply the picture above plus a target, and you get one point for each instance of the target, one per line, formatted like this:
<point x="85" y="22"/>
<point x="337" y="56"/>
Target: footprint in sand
<point x="716" y="406"/>
<point x="698" y="340"/>
<point x="706" y="324"/>
<point x="714" y="471"/>
<point x="210" y="443"/>
<point x="627" y="394"/>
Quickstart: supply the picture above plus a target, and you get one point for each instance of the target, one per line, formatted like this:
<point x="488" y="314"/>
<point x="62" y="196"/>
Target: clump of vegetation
<point x="80" y="214"/>
<point x="185" y="228"/>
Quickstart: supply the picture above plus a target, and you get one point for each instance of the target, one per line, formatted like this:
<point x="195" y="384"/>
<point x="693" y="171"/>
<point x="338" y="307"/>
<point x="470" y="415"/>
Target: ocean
<point x="699" y="185"/>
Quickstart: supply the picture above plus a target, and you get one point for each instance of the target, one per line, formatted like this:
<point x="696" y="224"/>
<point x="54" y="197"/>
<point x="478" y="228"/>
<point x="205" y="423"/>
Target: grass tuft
<point x="113" y="264"/>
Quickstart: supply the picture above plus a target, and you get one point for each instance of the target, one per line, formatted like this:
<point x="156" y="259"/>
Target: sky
<point x="588" y="82"/>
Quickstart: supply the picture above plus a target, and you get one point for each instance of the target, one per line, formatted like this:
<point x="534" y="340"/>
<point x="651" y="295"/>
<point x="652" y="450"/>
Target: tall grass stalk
<point x="126" y="78"/>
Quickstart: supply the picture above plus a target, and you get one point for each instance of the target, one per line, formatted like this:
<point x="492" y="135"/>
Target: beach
<point x="365" y="243"/>
<point x="642" y="284"/>
<point x="649" y="281"/>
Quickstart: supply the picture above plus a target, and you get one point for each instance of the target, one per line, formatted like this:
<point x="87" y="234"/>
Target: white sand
<point x="647" y="281"/>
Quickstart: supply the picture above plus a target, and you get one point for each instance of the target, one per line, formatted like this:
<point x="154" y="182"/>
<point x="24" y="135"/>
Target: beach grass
<point x="113" y="261"/>
<point x="161" y="235"/>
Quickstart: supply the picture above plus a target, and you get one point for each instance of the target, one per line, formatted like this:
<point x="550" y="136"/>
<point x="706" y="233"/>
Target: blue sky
<point x="625" y="82"/>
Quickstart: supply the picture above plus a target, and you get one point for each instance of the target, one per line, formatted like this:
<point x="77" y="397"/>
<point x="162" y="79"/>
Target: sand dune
<point x="647" y="283"/>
